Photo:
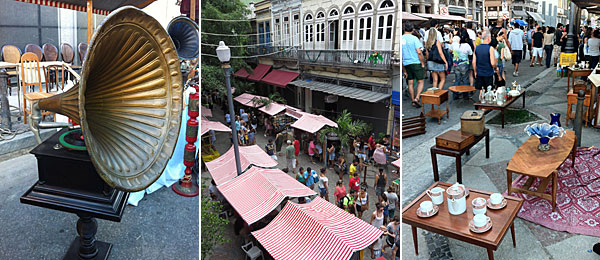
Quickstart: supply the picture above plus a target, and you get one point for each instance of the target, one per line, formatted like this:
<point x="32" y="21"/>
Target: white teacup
<point x="437" y="195"/>
<point x="426" y="207"/>
<point x="496" y="199"/>
<point x="479" y="206"/>
<point x="480" y="220"/>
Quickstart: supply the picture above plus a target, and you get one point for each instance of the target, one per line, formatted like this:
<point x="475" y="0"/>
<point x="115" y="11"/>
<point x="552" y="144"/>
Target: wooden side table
<point x="435" y="98"/>
<point x="435" y="150"/>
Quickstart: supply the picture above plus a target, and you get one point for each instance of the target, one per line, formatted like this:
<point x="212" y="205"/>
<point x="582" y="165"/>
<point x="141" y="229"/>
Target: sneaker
<point x="514" y="74"/>
<point x="517" y="74"/>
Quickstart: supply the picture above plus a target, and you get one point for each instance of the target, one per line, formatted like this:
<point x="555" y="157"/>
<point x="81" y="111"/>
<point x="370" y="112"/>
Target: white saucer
<point x="483" y="229"/>
<point x="431" y="214"/>
<point x="502" y="205"/>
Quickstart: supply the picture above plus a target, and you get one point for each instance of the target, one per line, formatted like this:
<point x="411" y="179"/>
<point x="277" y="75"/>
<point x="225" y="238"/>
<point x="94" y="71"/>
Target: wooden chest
<point x="454" y="140"/>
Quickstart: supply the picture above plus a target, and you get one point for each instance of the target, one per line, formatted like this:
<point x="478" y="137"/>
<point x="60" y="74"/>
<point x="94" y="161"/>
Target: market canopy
<point x="316" y="230"/>
<point x="207" y="125"/>
<point x="312" y="123"/>
<point x="410" y="17"/>
<point x="246" y="99"/>
<point x="259" y="72"/>
<point x="206" y="112"/>
<point x="397" y="163"/>
<point x="444" y="17"/>
<point x="223" y="168"/>
<point x="99" y="7"/>
<point x="280" y="78"/>
<point x="242" y="73"/>
<point x="267" y="187"/>
<point x="348" y="92"/>
<point x="273" y="108"/>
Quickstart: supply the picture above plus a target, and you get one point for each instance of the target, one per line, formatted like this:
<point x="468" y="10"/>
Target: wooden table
<point x="435" y="150"/>
<point x="573" y="73"/>
<point x="502" y="107"/>
<point x="435" y="98"/>
<point x="462" y="89"/>
<point x="533" y="163"/>
<point x="594" y="111"/>
<point x="457" y="226"/>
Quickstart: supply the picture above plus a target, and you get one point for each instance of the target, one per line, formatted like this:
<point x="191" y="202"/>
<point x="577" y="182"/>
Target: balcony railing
<point x="284" y="52"/>
<point x="346" y="58"/>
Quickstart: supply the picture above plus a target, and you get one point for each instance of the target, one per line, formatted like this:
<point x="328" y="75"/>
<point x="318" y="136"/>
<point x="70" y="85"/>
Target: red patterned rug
<point x="577" y="197"/>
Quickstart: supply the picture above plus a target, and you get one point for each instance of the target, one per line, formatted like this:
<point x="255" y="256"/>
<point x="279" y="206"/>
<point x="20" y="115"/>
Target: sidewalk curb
<point x="22" y="141"/>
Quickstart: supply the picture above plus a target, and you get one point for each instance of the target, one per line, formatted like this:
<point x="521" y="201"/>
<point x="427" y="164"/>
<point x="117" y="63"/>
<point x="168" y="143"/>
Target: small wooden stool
<point x="436" y="97"/>
<point x="462" y="89"/>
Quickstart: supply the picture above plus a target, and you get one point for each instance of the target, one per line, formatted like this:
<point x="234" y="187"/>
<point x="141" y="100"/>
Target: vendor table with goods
<point x="494" y="106"/>
<point x="459" y="226"/>
<point x="594" y="111"/>
<point x="457" y="153"/>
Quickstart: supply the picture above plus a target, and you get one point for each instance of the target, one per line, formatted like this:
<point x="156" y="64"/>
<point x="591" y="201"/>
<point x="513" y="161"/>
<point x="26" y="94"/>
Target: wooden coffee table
<point x="533" y="163"/>
<point x="435" y="98"/>
<point x="573" y="73"/>
<point x="502" y="107"/>
<point x="435" y="150"/>
<point x="457" y="226"/>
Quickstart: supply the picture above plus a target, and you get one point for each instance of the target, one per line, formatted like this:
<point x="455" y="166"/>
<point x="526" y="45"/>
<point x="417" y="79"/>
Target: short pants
<point x="517" y="56"/>
<point x="415" y="71"/>
<point x="482" y="82"/>
<point x="323" y="191"/>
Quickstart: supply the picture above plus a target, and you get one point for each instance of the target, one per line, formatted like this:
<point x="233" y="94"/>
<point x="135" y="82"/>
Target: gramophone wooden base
<point x="103" y="250"/>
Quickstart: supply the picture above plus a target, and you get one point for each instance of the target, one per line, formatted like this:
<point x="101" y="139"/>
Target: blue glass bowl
<point x="544" y="130"/>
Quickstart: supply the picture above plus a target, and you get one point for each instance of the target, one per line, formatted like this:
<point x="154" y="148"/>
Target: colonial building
<point x="471" y="9"/>
<point x="526" y="10"/>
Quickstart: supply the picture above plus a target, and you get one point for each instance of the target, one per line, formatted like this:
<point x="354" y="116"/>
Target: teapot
<point x="500" y="95"/>
<point x="457" y="199"/>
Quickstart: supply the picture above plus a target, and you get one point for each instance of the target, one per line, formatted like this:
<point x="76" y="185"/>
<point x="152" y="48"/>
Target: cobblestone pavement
<point x="232" y="250"/>
<point x="547" y="95"/>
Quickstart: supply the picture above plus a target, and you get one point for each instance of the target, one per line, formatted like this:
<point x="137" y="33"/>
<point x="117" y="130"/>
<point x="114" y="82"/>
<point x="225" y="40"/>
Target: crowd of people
<point x="478" y="55"/>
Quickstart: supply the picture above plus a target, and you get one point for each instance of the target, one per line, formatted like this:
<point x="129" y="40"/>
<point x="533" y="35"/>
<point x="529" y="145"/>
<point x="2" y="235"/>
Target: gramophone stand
<point x="85" y="245"/>
<point x="185" y="186"/>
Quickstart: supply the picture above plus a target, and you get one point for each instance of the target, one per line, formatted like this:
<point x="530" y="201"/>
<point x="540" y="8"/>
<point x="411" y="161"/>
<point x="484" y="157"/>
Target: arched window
<point x="333" y="13"/>
<point x="320" y="15"/>
<point x="366" y="7"/>
<point x="349" y="10"/>
<point x="320" y="31"/>
<point x="387" y="4"/>
<point x="308" y="32"/>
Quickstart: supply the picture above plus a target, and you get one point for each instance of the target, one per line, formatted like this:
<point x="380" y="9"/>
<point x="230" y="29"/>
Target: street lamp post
<point x="571" y="38"/>
<point x="224" y="55"/>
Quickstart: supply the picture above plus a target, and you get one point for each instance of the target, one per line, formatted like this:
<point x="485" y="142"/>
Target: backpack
<point x="341" y="201"/>
<point x="269" y="149"/>
<point x="315" y="177"/>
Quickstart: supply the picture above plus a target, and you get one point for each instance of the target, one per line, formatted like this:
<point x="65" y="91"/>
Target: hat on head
<point x="289" y="142"/>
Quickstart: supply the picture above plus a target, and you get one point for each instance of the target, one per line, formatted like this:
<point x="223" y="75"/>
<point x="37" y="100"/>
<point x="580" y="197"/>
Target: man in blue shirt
<point x="311" y="178"/>
<point x="413" y="63"/>
<point x="245" y="117"/>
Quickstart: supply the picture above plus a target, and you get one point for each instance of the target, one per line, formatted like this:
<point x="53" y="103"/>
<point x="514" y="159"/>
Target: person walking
<point x="331" y="155"/>
<point x="377" y="216"/>
<point x="323" y="185"/>
<point x="296" y="147"/>
<point x="484" y="63"/>
<point x="436" y="60"/>
<point x="500" y="77"/>
<point x="462" y="70"/>
<point x="300" y="176"/>
<point x="362" y="202"/>
<point x="392" y="200"/>
<point x="515" y="42"/>
<point x="279" y="139"/>
<point x="340" y="191"/>
<point x="594" y="48"/>
<point x="380" y="182"/>
<point x="340" y="167"/>
<point x="548" y="41"/>
<point x="413" y="63"/>
<point x="270" y="148"/>
<point x="354" y="182"/>
<point x="538" y="47"/>
<point x="528" y="36"/>
<point x="312" y="150"/>
<point x="291" y="158"/>
<point x="348" y="202"/>
<point x="311" y="178"/>
<point x="557" y="42"/>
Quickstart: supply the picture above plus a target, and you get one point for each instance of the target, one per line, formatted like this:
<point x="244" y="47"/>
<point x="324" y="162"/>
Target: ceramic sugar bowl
<point x="457" y="199"/>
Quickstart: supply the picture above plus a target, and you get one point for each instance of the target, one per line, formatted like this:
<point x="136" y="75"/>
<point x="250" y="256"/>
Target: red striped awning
<point x="312" y="123"/>
<point x="267" y="187"/>
<point x="246" y="99"/>
<point x="223" y="168"/>
<point x="280" y="78"/>
<point x="397" y="163"/>
<point x="316" y="230"/>
<point x="241" y="73"/>
<point x="207" y="125"/>
<point x="101" y="7"/>
<point x="259" y="72"/>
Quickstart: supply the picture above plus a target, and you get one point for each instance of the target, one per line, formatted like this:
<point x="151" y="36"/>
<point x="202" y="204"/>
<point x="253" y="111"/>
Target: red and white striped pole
<point x="185" y="186"/>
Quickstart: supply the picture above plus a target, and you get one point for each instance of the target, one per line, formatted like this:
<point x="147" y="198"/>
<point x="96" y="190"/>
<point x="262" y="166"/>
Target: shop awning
<point x="396" y="98"/>
<point x="280" y="78"/>
<point x="312" y="123"/>
<point x="316" y="230"/>
<point x="223" y="168"/>
<point x="410" y="17"/>
<point x="349" y="92"/>
<point x="457" y="10"/>
<point x="520" y="14"/>
<point x="537" y="17"/>
<point x="100" y="7"/>
<point x="207" y="125"/>
<point x="205" y="112"/>
<point x="444" y="17"/>
<point x="397" y="163"/>
<point x="273" y="108"/>
<point x="247" y="99"/>
<point x="259" y="191"/>
<point x="259" y="72"/>
<point x="241" y="73"/>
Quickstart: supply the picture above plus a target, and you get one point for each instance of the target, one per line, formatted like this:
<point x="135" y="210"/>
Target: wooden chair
<point x="572" y="100"/>
<point x="12" y="54"/>
<point x="52" y="72"/>
<point x="31" y="78"/>
<point x="34" y="48"/>
<point x="82" y="48"/>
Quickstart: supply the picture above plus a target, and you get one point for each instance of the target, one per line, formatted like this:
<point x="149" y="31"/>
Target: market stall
<point x="337" y="233"/>
<point x="280" y="116"/>
<point x="223" y="169"/>
<point x="309" y="125"/>
<point x="269" y="187"/>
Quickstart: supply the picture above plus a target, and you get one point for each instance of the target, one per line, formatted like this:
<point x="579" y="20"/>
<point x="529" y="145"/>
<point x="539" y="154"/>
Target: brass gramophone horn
<point x="184" y="33"/>
<point x="128" y="102"/>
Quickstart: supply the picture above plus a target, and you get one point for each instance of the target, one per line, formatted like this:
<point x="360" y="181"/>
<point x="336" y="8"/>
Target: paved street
<point x="533" y="241"/>
<point x="232" y="250"/>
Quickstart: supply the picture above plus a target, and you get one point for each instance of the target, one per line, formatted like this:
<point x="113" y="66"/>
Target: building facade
<point x="527" y="10"/>
<point x="470" y="9"/>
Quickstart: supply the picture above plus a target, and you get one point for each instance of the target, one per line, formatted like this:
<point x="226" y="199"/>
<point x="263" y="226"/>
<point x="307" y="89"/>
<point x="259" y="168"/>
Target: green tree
<point x="213" y="77"/>
<point x="346" y="130"/>
<point x="273" y="97"/>
<point x="212" y="226"/>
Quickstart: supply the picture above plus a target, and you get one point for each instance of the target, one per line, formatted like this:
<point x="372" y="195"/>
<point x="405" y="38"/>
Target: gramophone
<point x="128" y="104"/>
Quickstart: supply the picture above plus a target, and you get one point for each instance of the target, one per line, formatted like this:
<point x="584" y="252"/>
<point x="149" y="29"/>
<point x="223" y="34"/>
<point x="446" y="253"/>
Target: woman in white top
<point x="362" y="201"/>
<point x="594" y="48"/>
<point x="323" y="189"/>
<point x="377" y="216"/>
